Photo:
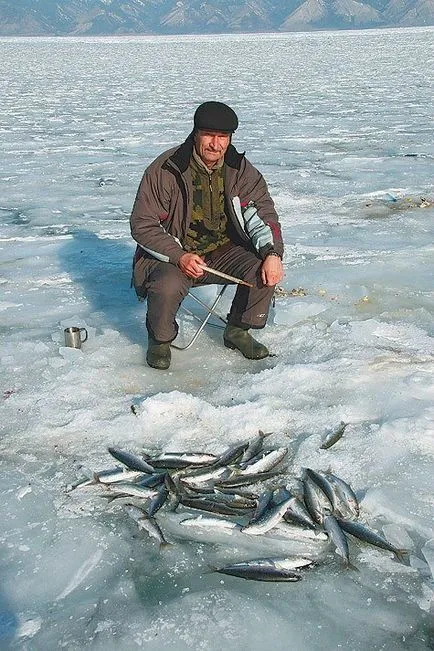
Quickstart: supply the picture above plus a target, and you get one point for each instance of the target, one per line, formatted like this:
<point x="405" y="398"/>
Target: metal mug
<point x="73" y="337"/>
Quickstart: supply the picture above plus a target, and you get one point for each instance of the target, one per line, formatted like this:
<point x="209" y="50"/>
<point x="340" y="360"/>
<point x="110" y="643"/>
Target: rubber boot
<point x="240" y="339"/>
<point x="158" y="355"/>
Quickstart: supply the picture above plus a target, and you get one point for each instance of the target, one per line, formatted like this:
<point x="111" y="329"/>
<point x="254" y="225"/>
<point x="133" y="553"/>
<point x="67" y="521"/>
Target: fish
<point x="290" y="563"/>
<point x="208" y="505"/>
<point x="235" y="500"/>
<point x="293" y="532"/>
<point x="297" y="513"/>
<point x="109" y="476"/>
<point x="210" y="522"/>
<point x="334" y="436"/>
<point x="157" y="501"/>
<point x="222" y="499"/>
<point x="196" y="490"/>
<point x="365" y="534"/>
<point x="264" y="500"/>
<point x="278" y="562"/>
<point x="134" y="490"/>
<point x="148" y="524"/>
<point x="209" y="477"/>
<point x="318" y="504"/>
<point x="254" y="447"/>
<point x="323" y="483"/>
<point x="345" y="493"/>
<point x="259" y="572"/>
<point x="246" y="479"/>
<point x="238" y="492"/>
<point x="123" y="474"/>
<point x="280" y="493"/>
<point x="267" y="520"/>
<point x="338" y="537"/>
<point x="179" y="460"/>
<point x="152" y="481"/>
<point x="269" y="461"/>
<point x="132" y="461"/>
<point x="231" y="454"/>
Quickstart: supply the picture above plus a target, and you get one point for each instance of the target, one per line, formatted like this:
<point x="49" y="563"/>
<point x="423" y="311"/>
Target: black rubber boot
<point x="158" y="355"/>
<point x="240" y="339"/>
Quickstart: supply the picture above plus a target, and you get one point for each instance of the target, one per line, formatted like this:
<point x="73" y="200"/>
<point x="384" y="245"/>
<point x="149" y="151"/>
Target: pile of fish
<point x="219" y="488"/>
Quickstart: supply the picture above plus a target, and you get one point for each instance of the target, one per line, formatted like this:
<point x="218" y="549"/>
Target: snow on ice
<point x="341" y="126"/>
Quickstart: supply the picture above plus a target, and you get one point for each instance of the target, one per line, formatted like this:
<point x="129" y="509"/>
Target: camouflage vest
<point x="208" y="226"/>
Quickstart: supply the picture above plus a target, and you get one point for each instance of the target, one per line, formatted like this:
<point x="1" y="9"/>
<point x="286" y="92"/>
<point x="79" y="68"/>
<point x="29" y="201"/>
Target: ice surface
<point x="341" y="126"/>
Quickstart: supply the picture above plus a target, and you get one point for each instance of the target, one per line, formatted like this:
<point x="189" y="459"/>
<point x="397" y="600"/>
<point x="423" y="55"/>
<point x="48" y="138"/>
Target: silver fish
<point x="367" y="535"/>
<point x="292" y="532"/>
<point x="243" y="494"/>
<point x="134" y="490"/>
<point x="246" y="479"/>
<point x="132" y="461"/>
<point x="264" y="500"/>
<point x="207" y="505"/>
<point x="157" y="502"/>
<point x="297" y="513"/>
<point x="205" y="477"/>
<point x="259" y="572"/>
<point x="267" y="462"/>
<point x="195" y="490"/>
<point x="323" y="483"/>
<point x="231" y="454"/>
<point x="278" y="562"/>
<point x="338" y="538"/>
<point x="122" y="475"/>
<point x="281" y="493"/>
<point x="180" y="460"/>
<point x="268" y="519"/>
<point x="203" y="522"/>
<point x="316" y="501"/>
<point x="254" y="447"/>
<point x="148" y="524"/>
<point x="291" y="563"/>
<point x="152" y="481"/>
<point x="334" y="436"/>
<point x="108" y="477"/>
<point x="345" y="493"/>
<point x="235" y="500"/>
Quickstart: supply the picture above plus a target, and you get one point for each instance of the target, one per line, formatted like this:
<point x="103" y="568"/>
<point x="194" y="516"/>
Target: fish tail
<point x="402" y="555"/>
<point x="165" y="544"/>
<point x="351" y="566"/>
<point x="111" y="498"/>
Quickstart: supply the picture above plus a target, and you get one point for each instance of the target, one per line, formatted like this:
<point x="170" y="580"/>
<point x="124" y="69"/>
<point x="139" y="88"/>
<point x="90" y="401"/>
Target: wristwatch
<point x="273" y="253"/>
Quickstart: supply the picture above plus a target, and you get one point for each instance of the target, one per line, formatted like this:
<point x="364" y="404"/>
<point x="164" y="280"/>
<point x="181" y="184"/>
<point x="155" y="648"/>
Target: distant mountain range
<point x="115" y="17"/>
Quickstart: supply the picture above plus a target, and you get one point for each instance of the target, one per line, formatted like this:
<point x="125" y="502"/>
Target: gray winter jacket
<point x="162" y="209"/>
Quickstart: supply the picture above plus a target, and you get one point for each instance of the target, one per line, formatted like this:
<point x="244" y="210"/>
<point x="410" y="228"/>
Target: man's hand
<point x="271" y="270"/>
<point x="189" y="265"/>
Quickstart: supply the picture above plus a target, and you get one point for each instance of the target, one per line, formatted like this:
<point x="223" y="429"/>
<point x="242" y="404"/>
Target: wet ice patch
<point x="28" y="628"/>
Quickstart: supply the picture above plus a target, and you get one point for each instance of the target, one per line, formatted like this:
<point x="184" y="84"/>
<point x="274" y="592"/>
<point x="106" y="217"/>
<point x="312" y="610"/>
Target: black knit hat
<point x="215" y="116"/>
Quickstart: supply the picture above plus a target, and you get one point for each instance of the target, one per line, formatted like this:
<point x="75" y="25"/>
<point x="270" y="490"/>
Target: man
<point x="204" y="203"/>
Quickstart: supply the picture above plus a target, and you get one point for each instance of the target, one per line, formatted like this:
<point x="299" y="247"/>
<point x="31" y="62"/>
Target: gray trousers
<point x="166" y="286"/>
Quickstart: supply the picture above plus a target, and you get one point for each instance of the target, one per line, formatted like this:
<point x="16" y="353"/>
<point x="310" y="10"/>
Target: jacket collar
<point x="181" y="157"/>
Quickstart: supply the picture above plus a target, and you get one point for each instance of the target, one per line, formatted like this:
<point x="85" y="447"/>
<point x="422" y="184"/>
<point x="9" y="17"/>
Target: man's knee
<point x="169" y="282"/>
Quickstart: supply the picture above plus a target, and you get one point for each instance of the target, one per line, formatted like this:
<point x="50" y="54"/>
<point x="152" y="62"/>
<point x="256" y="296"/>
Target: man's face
<point x="211" y="146"/>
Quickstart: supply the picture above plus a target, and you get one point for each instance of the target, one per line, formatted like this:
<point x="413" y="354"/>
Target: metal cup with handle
<point x="73" y="337"/>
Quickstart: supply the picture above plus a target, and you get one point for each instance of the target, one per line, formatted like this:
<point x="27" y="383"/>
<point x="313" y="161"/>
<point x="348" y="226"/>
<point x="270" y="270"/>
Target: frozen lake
<point x="341" y="125"/>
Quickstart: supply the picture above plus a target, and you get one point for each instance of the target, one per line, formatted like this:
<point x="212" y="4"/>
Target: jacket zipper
<point x="211" y="198"/>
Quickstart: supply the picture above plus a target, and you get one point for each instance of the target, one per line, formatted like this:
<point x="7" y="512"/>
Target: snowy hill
<point x="98" y="17"/>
